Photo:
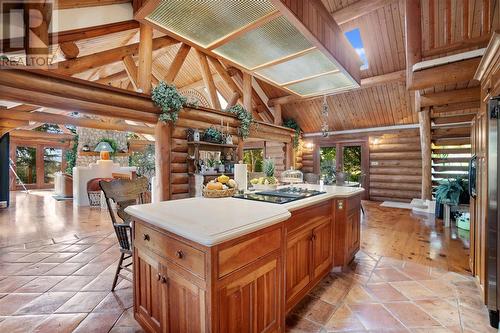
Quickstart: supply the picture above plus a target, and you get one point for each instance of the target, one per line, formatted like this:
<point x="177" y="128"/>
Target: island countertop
<point x="213" y="221"/>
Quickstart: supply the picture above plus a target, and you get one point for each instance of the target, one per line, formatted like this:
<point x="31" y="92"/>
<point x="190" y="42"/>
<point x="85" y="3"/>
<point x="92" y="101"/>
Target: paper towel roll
<point x="240" y="176"/>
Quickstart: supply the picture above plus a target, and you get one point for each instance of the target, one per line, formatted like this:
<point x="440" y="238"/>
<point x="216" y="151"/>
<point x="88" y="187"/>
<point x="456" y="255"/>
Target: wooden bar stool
<point x="124" y="193"/>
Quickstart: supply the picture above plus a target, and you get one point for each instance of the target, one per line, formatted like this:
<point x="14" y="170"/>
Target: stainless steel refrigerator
<point x="493" y="236"/>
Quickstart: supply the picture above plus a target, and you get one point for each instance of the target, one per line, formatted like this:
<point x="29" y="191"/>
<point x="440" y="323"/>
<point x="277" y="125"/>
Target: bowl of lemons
<point x="221" y="187"/>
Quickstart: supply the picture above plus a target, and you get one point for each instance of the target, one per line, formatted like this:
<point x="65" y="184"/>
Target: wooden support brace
<point x="208" y="80"/>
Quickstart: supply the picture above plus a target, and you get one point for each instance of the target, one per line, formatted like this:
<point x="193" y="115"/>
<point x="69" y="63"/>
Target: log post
<point x="424" y="119"/>
<point x="247" y="92"/>
<point x="145" y="58"/>
<point x="278" y="119"/>
<point x="413" y="40"/>
<point x="163" y="137"/>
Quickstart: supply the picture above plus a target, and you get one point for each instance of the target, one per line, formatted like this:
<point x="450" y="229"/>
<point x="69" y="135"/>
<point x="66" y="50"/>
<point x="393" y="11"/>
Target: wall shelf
<point x="210" y="144"/>
<point x="94" y="153"/>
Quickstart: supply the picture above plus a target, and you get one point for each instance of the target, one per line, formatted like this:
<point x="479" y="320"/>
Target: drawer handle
<point x="164" y="279"/>
<point x="313" y="237"/>
<point x="159" y="277"/>
<point x="179" y="254"/>
<point x="146" y="237"/>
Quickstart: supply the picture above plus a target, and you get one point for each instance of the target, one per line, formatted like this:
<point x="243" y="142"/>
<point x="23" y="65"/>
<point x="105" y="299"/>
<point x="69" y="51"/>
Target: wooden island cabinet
<point x="246" y="284"/>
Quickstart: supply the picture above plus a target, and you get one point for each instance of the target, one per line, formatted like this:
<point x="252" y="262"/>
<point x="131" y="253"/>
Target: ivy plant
<point x="291" y="123"/>
<point x="169" y="100"/>
<point x="71" y="156"/>
<point x="245" y="118"/>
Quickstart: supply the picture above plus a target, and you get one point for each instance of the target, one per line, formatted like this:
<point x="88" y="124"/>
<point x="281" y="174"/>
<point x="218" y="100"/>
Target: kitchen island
<point x="234" y="265"/>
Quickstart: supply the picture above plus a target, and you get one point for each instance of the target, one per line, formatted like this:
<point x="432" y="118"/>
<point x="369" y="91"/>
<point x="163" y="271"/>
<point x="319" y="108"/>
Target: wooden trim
<point x="492" y="50"/>
<point x="425" y="144"/>
<point x="245" y="29"/>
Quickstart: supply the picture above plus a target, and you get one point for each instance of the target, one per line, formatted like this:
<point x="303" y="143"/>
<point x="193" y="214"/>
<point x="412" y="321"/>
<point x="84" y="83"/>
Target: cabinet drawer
<point x="178" y="252"/>
<point x="247" y="251"/>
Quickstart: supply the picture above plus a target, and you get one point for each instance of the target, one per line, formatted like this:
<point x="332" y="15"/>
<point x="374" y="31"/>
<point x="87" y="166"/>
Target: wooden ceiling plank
<point x="449" y="97"/>
<point x="81" y="64"/>
<point x="432" y="27"/>
<point x="177" y="63"/>
<point x="358" y="9"/>
<point x="476" y="42"/>
<point x="208" y="80"/>
<point x="465" y="19"/>
<point x="245" y="29"/>
<point x="413" y="34"/>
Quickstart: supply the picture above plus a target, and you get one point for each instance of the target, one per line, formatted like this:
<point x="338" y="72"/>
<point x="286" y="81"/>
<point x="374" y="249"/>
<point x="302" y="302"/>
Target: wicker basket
<point x="218" y="193"/>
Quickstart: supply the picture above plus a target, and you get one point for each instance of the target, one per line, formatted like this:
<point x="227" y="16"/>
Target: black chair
<point x="124" y="192"/>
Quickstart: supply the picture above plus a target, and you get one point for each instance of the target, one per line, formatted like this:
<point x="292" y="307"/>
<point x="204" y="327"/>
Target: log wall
<point x="276" y="151"/>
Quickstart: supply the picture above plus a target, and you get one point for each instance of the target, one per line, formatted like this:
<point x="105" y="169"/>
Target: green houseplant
<point x="169" y="100"/>
<point x="212" y="135"/>
<point x="450" y="191"/>
<point x="245" y="118"/>
<point x="71" y="156"/>
<point x="291" y="123"/>
<point x="144" y="161"/>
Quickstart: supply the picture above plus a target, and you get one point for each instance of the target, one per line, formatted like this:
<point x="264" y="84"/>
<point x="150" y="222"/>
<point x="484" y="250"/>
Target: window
<point x="52" y="163"/>
<point x="26" y="165"/>
<point x="354" y="37"/>
<point x="253" y="158"/>
<point x="328" y="162"/>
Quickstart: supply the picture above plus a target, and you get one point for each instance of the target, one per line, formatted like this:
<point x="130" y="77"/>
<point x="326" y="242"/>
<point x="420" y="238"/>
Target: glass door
<point x="52" y="163"/>
<point x="26" y="166"/>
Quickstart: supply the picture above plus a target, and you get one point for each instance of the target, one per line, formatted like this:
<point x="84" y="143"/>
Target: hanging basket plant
<point x="291" y="123"/>
<point x="169" y="100"/>
<point x="245" y="118"/>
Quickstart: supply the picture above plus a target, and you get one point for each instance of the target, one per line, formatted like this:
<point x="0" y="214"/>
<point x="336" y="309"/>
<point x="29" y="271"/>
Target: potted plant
<point x="211" y="162"/>
<point x="212" y="135"/>
<point x="169" y="100"/>
<point x="269" y="181"/>
<point x="451" y="192"/>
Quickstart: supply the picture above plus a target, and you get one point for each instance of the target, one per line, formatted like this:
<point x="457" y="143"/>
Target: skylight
<point x="354" y="37"/>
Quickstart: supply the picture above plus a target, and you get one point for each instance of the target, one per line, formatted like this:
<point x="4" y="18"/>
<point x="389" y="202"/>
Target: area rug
<point x="394" y="204"/>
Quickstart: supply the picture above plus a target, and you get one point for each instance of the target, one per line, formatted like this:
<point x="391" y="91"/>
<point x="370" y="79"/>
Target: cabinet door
<point x="352" y="234"/>
<point x="322" y="247"/>
<point x="147" y="305"/>
<point x="182" y="304"/>
<point x="298" y="262"/>
<point x="250" y="302"/>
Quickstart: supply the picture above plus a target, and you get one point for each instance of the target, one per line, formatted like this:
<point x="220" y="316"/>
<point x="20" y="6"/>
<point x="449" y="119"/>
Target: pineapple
<point x="268" y="168"/>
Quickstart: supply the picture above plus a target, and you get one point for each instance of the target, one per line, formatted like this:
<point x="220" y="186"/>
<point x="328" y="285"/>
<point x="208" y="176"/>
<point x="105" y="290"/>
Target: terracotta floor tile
<point x="413" y="290"/>
<point x="21" y="324"/>
<point x="439" y="287"/>
<point x="476" y="321"/>
<point x="82" y="257"/>
<point x="123" y="329"/>
<point x="358" y="294"/>
<point x="59" y="257"/>
<point x="385" y="292"/>
<point x="34" y="257"/>
<point x="344" y="320"/>
<point x="437" y="330"/>
<point x="97" y="322"/>
<point x="127" y="319"/>
<point x="66" y="268"/>
<point x="13" y="302"/>
<point x="100" y="283"/>
<point x="13" y="268"/>
<point x="98" y="248"/>
<point x="82" y="302"/>
<point x="36" y="269"/>
<point x="12" y="256"/>
<point x="119" y="300"/>
<point x="76" y="248"/>
<point x="12" y="283"/>
<point x="296" y="324"/>
<point x="89" y="240"/>
<point x="416" y="271"/>
<point x="60" y="323"/>
<point x="389" y="262"/>
<point x="446" y="313"/>
<point x="375" y="316"/>
<point x="411" y="315"/>
<point x="40" y="284"/>
<point x="55" y="247"/>
<point x="314" y="309"/>
<point x="470" y="298"/>
<point x="46" y="303"/>
<point x="91" y="269"/>
<point x="72" y="283"/>
<point x="390" y="274"/>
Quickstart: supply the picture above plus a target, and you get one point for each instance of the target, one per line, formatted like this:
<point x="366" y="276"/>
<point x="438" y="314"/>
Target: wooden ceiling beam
<point x="12" y="123"/>
<point x="358" y="9"/>
<point x="52" y="118"/>
<point x="245" y="29"/>
<point x="177" y="63"/>
<point x="27" y="134"/>
<point x="113" y="77"/>
<point x="456" y="72"/>
<point x="219" y="68"/>
<point x="456" y="107"/>
<point x="452" y="96"/>
<point x="24" y="108"/>
<point x="69" y="50"/>
<point x="131" y="70"/>
<point x="479" y="42"/>
<point x="466" y="118"/>
<point x="81" y="64"/>
<point x="208" y="80"/>
<point x="365" y="83"/>
<point x="69" y="4"/>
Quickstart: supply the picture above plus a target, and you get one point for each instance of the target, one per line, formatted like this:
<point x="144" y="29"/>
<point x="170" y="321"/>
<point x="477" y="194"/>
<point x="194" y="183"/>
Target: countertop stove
<point x="279" y="196"/>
